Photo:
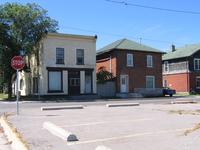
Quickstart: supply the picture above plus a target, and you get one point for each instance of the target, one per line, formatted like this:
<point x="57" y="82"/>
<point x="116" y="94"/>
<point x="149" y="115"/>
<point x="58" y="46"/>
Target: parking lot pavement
<point x="4" y="145"/>
<point x="148" y="126"/>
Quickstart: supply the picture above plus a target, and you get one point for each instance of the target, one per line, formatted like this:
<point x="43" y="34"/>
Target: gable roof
<point x="182" y="52"/>
<point x="125" y="44"/>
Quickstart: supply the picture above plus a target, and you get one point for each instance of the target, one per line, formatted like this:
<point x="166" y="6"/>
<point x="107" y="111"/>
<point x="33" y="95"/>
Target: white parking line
<point x="106" y="122"/>
<point x="59" y="132"/>
<point x="127" y="136"/>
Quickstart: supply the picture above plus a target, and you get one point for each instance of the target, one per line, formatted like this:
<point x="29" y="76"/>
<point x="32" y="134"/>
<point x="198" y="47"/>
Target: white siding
<point x="70" y="44"/>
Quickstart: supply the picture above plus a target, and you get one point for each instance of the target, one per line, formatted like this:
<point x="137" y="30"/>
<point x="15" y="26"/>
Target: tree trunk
<point x="10" y="87"/>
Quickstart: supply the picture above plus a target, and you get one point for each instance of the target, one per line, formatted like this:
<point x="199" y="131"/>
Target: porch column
<point x="82" y="82"/>
<point x="94" y="84"/>
<point x="65" y="81"/>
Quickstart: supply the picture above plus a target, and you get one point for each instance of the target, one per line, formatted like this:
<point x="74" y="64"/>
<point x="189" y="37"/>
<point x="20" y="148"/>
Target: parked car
<point x="168" y="91"/>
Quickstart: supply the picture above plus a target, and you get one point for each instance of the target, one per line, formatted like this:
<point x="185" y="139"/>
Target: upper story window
<point x="166" y="66"/>
<point x="129" y="59"/>
<point x="59" y="55"/>
<point x="196" y="64"/>
<point x="149" y="61"/>
<point x="80" y="56"/>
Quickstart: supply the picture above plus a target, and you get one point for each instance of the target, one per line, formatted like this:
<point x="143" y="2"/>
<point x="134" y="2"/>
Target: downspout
<point x="188" y="77"/>
<point x="38" y="74"/>
<point x="110" y="64"/>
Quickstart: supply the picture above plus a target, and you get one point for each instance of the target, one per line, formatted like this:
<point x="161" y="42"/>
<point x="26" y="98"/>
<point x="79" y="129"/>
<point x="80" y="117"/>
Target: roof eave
<point x="174" y="58"/>
<point x="106" y="51"/>
<point x="103" y="52"/>
<point x="72" y="35"/>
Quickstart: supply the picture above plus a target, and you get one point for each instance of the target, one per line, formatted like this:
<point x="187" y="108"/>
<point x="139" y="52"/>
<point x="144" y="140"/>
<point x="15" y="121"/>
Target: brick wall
<point x="137" y="74"/>
<point x="193" y="81"/>
<point x="104" y="61"/>
<point x="179" y="82"/>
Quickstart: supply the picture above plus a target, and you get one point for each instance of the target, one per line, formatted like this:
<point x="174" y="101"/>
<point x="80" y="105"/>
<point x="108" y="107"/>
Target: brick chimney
<point x="173" y="48"/>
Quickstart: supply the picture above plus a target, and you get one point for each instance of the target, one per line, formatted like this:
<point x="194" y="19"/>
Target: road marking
<point x="59" y="132"/>
<point x="102" y="147"/>
<point x="44" y="116"/>
<point x="62" y="107"/>
<point x="122" y="104"/>
<point x="127" y="136"/>
<point x="105" y="122"/>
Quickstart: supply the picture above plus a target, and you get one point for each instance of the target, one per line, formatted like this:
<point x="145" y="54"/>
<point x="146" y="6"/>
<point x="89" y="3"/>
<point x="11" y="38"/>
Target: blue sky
<point x="111" y="21"/>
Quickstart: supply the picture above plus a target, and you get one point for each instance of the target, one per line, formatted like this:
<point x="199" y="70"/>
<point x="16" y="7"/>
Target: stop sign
<point x="17" y="62"/>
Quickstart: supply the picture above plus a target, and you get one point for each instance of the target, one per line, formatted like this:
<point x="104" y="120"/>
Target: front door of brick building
<point x="124" y="84"/>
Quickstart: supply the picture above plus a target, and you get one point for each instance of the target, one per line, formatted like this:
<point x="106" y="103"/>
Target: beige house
<point x="66" y="66"/>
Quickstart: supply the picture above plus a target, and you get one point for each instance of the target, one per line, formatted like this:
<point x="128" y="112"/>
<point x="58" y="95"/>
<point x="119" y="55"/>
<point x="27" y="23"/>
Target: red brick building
<point x="181" y="68"/>
<point x="136" y="68"/>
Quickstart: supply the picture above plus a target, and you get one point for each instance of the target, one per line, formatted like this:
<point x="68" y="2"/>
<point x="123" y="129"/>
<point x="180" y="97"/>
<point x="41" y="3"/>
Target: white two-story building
<point x="65" y="66"/>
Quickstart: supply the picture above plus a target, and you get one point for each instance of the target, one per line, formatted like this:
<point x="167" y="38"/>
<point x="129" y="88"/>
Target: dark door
<point x="74" y="82"/>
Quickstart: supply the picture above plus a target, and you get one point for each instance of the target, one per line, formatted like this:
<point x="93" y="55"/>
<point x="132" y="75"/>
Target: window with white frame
<point x="59" y="55"/>
<point x="129" y="59"/>
<point x="150" y="82"/>
<point x="166" y="66"/>
<point x="196" y="64"/>
<point x="80" y="56"/>
<point x="198" y="82"/>
<point x="55" y="81"/>
<point x="149" y="61"/>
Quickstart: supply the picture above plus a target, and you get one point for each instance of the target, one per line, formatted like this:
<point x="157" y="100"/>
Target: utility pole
<point x="140" y="41"/>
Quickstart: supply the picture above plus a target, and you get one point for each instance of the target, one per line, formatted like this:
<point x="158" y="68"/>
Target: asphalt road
<point x="10" y="106"/>
<point x="148" y="126"/>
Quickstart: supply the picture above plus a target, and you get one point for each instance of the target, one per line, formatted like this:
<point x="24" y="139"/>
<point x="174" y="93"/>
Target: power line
<point x="155" y="8"/>
<point x="118" y="35"/>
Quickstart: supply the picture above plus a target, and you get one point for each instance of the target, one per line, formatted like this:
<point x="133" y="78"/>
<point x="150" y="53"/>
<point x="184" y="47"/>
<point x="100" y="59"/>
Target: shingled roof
<point x="182" y="52"/>
<point x="125" y="44"/>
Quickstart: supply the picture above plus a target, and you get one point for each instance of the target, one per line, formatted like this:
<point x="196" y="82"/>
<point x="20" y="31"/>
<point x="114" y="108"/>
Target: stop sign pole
<point x="17" y="100"/>
<point x="17" y="63"/>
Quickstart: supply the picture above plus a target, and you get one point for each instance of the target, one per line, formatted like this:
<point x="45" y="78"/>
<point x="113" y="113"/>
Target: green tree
<point x="103" y="75"/>
<point x="23" y="27"/>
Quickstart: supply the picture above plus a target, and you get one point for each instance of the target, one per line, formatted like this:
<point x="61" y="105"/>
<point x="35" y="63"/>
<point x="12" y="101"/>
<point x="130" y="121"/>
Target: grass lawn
<point x="3" y="96"/>
<point x="187" y="94"/>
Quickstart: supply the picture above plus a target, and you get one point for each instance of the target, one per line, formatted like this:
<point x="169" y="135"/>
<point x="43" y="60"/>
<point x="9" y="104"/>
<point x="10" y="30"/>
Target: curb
<point x="183" y="102"/>
<point x="122" y="104"/>
<point x="59" y="132"/>
<point x="13" y="135"/>
<point x="62" y="107"/>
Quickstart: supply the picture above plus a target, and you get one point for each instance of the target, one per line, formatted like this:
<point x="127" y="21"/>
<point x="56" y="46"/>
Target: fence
<point x="149" y="92"/>
<point x="107" y="89"/>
